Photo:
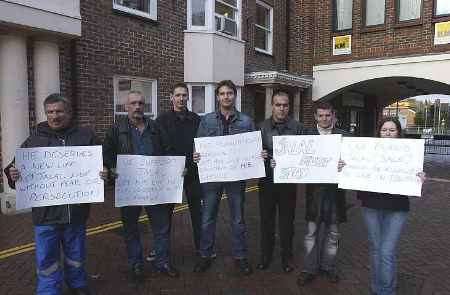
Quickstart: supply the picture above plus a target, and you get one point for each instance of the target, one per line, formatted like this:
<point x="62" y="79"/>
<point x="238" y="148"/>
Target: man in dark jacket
<point x="281" y="195"/>
<point x="178" y="127"/>
<point x="325" y="205"/>
<point x="138" y="135"/>
<point x="63" y="225"/>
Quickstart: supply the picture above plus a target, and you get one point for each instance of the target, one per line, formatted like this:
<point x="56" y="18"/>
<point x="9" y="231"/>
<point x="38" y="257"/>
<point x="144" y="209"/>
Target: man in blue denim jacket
<point x="225" y="121"/>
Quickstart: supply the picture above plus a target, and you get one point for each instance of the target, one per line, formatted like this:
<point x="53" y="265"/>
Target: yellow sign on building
<point x="442" y="33"/>
<point x="342" y="45"/>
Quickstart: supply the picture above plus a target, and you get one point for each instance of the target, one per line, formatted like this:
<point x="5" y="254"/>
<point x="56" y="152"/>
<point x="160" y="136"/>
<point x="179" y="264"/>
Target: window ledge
<point x="264" y="52"/>
<point x="214" y="33"/>
<point x="134" y="12"/>
<point x="443" y="18"/>
<point x="342" y="32"/>
<point x="408" y="23"/>
<point x="371" y="29"/>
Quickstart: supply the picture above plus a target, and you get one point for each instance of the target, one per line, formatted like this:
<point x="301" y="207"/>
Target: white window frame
<point x="366" y="4"/>
<point x="435" y="12"/>
<point x="189" y="17"/>
<point x="154" y="101"/>
<point x="209" y="97"/>
<point x="269" y="31"/>
<point x="153" y="7"/>
<point x="336" y="17"/>
<point x="210" y="13"/>
<point x="399" y="7"/>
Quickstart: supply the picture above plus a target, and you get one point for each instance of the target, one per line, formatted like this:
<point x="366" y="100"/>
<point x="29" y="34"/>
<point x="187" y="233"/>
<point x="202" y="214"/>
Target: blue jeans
<point x="49" y="239"/>
<point x="384" y="228"/>
<point x="159" y="216"/>
<point x="212" y="193"/>
<point x="321" y="252"/>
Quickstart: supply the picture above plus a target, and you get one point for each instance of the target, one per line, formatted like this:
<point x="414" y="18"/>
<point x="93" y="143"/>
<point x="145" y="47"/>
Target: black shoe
<point x="331" y="275"/>
<point x="244" y="266"/>
<point x="80" y="291"/>
<point x="169" y="271"/>
<point x="264" y="263"/>
<point x="286" y="265"/>
<point x="305" y="278"/>
<point x="202" y="264"/>
<point x="137" y="273"/>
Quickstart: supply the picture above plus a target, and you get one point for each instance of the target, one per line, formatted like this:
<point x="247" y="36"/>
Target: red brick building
<point x="359" y="54"/>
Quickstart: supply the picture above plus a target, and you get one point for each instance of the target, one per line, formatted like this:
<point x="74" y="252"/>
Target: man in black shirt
<point x="279" y="197"/>
<point x="178" y="127"/>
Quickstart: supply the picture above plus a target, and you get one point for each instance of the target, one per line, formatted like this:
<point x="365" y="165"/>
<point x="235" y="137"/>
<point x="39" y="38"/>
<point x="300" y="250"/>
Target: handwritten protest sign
<point x="384" y="165"/>
<point x="306" y="158"/>
<point x="149" y="180"/>
<point x="59" y="175"/>
<point x="230" y="158"/>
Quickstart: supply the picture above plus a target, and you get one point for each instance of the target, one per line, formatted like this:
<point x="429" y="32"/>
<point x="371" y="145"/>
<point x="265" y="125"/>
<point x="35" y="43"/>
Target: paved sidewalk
<point x="424" y="252"/>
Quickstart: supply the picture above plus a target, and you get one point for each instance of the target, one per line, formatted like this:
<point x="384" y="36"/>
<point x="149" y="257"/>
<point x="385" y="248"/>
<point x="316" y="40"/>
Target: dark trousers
<point x="273" y="198"/>
<point x="159" y="216"/>
<point x="193" y="191"/>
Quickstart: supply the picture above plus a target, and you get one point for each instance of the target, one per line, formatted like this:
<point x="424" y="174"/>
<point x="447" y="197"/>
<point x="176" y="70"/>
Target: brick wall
<point x="257" y="61"/>
<point x="114" y="43"/>
<point x="389" y="40"/>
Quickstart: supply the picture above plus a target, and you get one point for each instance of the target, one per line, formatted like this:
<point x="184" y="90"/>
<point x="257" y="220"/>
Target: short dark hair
<point x="179" y="85"/>
<point x="55" y="98"/>
<point x="279" y="93"/>
<point x="228" y="83"/>
<point x="323" y="105"/>
<point x="394" y="120"/>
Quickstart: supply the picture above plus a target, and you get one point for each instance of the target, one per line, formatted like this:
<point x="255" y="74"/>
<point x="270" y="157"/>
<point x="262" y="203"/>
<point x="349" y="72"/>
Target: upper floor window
<point x="409" y="10"/>
<point x="441" y="7"/>
<point x="226" y="16"/>
<point x="374" y="12"/>
<point x="124" y="84"/>
<point x="343" y="11"/>
<point x="263" y="27"/>
<point x="144" y="8"/>
<point x="215" y="15"/>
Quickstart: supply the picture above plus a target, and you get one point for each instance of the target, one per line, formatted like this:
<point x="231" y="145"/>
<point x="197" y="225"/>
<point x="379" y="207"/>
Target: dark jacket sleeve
<point x="162" y="125"/>
<point x="11" y="183"/>
<point x="109" y="147"/>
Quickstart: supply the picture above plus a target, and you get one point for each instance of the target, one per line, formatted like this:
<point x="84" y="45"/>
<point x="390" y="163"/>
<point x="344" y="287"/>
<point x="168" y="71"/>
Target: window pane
<point x="198" y="99"/>
<point x="228" y="27"/>
<point x="375" y="10"/>
<point x="142" y="5"/>
<point x="262" y="16"/>
<point x="442" y="7"/>
<point x="225" y="10"/>
<point x="409" y="9"/>
<point x="344" y="9"/>
<point x="126" y="85"/>
<point x="261" y="40"/>
<point x="198" y="12"/>
<point x="231" y="2"/>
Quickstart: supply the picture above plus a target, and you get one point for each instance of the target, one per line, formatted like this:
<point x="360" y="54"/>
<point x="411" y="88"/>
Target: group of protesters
<point x="62" y="228"/>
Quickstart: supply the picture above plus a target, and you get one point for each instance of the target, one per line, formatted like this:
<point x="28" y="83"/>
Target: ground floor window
<point x="202" y="98"/>
<point x="124" y="84"/>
